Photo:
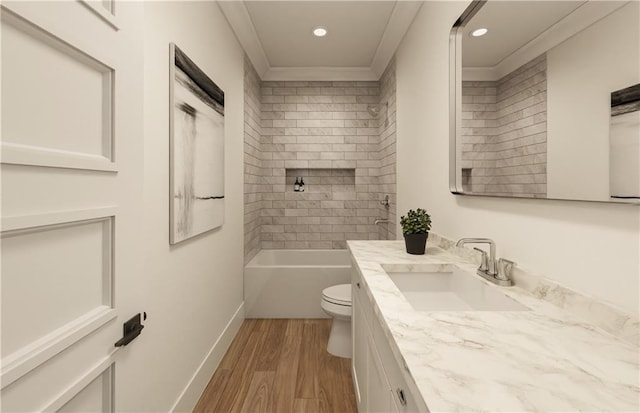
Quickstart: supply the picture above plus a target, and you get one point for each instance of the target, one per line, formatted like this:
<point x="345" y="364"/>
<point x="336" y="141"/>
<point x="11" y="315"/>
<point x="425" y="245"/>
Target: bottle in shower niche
<point x="301" y="184"/>
<point x="296" y="186"/>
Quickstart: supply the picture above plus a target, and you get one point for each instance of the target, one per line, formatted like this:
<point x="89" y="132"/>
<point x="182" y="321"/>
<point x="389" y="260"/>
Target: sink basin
<point x="451" y="291"/>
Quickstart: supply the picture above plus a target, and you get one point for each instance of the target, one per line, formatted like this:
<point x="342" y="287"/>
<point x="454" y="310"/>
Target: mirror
<point x="546" y="103"/>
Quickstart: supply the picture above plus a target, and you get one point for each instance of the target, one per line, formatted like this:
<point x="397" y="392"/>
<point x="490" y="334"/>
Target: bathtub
<point x="289" y="283"/>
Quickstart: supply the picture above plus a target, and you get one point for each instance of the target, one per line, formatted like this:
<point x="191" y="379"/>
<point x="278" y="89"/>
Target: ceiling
<point x="362" y="36"/>
<point x="511" y="24"/>
<point x="355" y="30"/>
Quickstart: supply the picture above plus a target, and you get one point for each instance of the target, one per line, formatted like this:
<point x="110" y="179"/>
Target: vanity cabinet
<point x="378" y="380"/>
<point x="372" y="388"/>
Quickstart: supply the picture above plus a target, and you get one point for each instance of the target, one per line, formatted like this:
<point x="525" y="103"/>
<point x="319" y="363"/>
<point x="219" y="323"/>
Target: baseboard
<point x="191" y="393"/>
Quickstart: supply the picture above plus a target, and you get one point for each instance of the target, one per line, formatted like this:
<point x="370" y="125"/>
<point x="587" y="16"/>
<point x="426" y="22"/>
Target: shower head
<point x="373" y="111"/>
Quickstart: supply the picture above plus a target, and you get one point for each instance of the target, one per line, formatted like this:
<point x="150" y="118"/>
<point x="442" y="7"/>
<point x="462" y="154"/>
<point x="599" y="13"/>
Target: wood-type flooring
<point x="280" y="366"/>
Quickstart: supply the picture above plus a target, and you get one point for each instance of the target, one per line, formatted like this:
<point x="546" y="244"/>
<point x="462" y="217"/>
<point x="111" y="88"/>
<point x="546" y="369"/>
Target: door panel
<point x="72" y="133"/>
<point x="95" y="397"/>
<point x="73" y="368"/>
<point x="58" y="98"/>
<point x="66" y="267"/>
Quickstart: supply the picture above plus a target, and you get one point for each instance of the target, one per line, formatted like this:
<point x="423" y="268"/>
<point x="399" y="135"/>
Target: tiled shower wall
<point x="387" y="135"/>
<point x="504" y="130"/>
<point x="252" y="162"/>
<point x="323" y="132"/>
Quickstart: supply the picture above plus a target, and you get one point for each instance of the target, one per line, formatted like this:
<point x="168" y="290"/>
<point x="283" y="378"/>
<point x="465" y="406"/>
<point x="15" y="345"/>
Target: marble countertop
<point x="546" y="359"/>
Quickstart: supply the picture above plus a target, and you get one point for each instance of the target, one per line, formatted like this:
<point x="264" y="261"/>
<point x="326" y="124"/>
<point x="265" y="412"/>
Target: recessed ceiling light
<point x="319" y="32"/>
<point x="479" y="32"/>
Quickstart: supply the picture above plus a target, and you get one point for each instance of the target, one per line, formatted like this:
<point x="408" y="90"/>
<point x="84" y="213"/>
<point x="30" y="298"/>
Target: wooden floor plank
<point x="261" y="324"/>
<point x="270" y="350"/>
<point x="280" y="366"/>
<point x="232" y="355"/>
<point x="306" y="406"/>
<point x="284" y="385"/>
<point x="348" y="391"/>
<point x="240" y="379"/>
<point x="260" y="393"/>
<point x="294" y="327"/>
<point x="330" y="393"/>
<point x="307" y="377"/>
<point x="213" y="391"/>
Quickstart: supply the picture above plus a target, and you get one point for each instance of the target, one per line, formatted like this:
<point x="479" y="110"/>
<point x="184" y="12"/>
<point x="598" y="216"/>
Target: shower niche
<point x="331" y="210"/>
<point x="327" y="181"/>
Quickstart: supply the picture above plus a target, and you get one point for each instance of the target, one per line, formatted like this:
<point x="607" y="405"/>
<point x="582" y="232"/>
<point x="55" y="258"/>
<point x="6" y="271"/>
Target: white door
<point x="72" y="169"/>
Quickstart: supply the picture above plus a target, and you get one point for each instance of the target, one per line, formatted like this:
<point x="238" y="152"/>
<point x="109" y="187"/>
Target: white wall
<point x="587" y="67"/>
<point x="195" y="287"/>
<point x="591" y="247"/>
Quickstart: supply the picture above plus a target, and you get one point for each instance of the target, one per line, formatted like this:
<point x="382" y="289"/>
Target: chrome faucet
<point x="496" y="272"/>
<point x="490" y="264"/>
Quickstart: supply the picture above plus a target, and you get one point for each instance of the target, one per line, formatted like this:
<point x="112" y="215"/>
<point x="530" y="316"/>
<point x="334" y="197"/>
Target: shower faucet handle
<point x="385" y="202"/>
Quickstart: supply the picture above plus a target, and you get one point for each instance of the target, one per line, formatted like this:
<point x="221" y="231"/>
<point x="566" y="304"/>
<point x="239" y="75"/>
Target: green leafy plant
<point x="415" y="222"/>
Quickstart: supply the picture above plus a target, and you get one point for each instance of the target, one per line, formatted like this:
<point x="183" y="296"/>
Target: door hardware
<point x="131" y="329"/>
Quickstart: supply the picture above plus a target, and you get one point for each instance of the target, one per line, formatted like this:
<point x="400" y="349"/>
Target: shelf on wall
<point x="322" y="179"/>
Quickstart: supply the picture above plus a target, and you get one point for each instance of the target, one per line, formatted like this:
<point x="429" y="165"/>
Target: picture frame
<point x="196" y="183"/>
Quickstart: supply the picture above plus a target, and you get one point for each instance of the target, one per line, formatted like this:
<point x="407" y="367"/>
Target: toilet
<point x="336" y="301"/>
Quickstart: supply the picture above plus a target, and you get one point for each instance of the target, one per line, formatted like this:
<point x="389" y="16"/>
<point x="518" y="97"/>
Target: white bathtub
<point x="289" y="283"/>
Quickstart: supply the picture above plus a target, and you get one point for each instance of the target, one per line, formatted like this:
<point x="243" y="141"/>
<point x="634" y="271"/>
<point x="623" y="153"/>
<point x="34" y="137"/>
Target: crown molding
<point x="401" y="18"/>
<point x="581" y="18"/>
<point x="238" y="17"/>
<point x="320" y="73"/>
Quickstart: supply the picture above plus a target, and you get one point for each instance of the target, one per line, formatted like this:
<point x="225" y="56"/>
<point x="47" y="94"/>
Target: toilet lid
<point x="338" y="294"/>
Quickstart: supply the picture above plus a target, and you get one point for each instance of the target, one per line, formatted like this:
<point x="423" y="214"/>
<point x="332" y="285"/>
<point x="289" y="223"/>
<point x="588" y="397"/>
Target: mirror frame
<point x="455" y="89"/>
<point x="455" y="108"/>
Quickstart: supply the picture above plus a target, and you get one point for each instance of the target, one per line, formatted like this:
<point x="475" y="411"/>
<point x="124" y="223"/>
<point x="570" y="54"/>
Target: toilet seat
<point x="338" y="294"/>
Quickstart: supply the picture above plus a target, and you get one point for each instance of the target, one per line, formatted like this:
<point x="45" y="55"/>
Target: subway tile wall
<point x="387" y="134"/>
<point x="252" y="161"/>
<point x="504" y="143"/>
<point x="323" y="132"/>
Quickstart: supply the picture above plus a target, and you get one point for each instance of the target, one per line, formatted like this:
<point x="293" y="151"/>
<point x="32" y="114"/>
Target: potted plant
<point x="415" y="228"/>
